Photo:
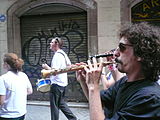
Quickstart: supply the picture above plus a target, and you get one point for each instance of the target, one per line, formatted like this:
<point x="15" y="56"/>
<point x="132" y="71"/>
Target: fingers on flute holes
<point x="101" y="60"/>
<point x="88" y="70"/>
<point x="95" y="63"/>
<point x="100" y="67"/>
<point x="89" y="64"/>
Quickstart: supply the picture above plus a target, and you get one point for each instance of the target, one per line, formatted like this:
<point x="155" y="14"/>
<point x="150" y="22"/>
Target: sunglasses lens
<point x="122" y="47"/>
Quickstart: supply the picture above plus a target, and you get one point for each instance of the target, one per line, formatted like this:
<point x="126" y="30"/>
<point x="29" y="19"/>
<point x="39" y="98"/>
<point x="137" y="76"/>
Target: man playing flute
<point x="135" y="96"/>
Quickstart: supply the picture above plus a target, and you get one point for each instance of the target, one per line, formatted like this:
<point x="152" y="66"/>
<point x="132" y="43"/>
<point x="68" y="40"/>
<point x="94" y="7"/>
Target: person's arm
<point x="29" y="86"/>
<point x="46" y="67"/>
<point x="29" y="91"/>
<point x="93" y="74"/>
<point x="80" y="75"/>
<point x="107" y="83"/>
<point x="2" y="91"/>
<point x="106" y="79"/>
<point x="95" y="105"/>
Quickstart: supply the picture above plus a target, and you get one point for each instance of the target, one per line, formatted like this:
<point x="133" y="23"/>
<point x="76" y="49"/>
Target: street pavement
<point x="39" y="110"/>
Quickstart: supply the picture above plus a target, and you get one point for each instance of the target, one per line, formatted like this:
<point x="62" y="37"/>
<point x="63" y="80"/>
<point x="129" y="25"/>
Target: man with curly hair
<point x="135" y="96"/>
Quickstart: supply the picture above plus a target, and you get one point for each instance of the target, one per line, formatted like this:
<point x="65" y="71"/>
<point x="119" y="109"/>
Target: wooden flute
<point x="47" y="73"/>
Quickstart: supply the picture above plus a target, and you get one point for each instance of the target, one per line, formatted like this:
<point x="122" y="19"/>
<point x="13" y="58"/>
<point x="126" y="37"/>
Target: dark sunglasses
<point x="122" y="46"/>
<point x="57" y="39"/>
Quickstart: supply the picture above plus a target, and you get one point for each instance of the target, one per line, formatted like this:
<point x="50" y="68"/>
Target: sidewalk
<point x="39" y="110"/>
<point x="70" y="104"/>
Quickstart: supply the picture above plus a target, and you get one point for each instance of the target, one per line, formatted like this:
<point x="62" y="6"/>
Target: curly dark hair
<point x="145" y="39"/>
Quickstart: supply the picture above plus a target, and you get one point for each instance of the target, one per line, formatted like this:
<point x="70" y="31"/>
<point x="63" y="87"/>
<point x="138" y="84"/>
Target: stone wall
<point x="3" y="30"/>
<point x="108" y="23"/>
<point x="108" y="16"/>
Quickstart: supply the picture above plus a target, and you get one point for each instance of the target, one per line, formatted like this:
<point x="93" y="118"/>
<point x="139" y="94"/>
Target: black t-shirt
<point x="138" y="100"/>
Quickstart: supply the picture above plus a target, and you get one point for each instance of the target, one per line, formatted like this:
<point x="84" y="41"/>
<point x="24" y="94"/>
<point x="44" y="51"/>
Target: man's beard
<point x="118" y="61"/>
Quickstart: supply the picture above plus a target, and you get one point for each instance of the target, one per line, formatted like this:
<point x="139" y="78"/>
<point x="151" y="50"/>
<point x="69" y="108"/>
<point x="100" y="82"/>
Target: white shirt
<point x="60" y="61"/>
<point x="14" y="87"/>
<point x="158" y="80"/>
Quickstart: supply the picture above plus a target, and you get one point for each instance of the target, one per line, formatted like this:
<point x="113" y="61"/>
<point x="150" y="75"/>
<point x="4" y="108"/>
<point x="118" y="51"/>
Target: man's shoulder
<point x="61" y="52"/>
<point x="146" y="90"/>
<point x="7" y="74"/>
<point x="152" y="88"/>
<point x="122" y="80"/>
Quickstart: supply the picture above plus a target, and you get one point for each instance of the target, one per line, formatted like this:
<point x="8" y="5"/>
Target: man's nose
<point x="116" y="52"/>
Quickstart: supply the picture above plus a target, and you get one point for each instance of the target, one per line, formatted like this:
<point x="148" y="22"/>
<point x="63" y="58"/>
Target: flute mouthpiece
<point x="101" y="55"/>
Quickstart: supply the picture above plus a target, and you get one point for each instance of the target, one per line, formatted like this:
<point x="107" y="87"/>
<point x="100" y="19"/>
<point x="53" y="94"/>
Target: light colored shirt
<point x="158" y="80"/>
<point x="60" y="61"/>
<point x="14" y="87"/>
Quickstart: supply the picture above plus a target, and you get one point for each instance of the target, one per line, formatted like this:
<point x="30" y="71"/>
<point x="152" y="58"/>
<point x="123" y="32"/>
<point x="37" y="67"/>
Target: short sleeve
<point x="2" y="86"/>
<point x="29" y="86"/>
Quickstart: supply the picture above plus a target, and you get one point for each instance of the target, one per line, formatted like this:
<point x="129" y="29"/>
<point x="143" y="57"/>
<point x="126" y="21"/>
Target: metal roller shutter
<point x="36" y="33"/>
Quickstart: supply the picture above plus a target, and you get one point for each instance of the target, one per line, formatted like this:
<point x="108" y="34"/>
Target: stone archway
<point x="125" y="7"/>
<point x="139" y="10"/>
<point x="21" y="7"/>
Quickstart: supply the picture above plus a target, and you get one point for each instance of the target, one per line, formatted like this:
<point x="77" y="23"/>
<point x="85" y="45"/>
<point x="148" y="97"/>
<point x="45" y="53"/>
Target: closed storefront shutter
<point x="36" y="33"/>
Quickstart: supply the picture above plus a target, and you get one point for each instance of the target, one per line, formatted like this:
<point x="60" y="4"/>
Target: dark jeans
<point x="18" y="118"/>
<point x="57" y="102"/>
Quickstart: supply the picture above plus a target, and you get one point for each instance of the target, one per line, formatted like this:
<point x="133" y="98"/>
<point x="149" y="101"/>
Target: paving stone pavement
<point x="42" y="112"/>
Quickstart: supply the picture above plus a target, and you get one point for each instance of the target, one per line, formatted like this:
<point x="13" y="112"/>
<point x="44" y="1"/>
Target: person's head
<point x="56" y="43"/>
<point x="139" y="49"/>
<point x="12" y="62"/>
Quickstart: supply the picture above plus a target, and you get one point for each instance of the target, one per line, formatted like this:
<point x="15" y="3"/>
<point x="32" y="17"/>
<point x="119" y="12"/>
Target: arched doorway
<point x="35" y="22"/>
<point x="140" y="10"/>
<point x="146" y="11"/>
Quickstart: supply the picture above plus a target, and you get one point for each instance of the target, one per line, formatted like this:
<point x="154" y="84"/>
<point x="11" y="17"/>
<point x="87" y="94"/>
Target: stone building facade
<point x="88" y="27"/>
